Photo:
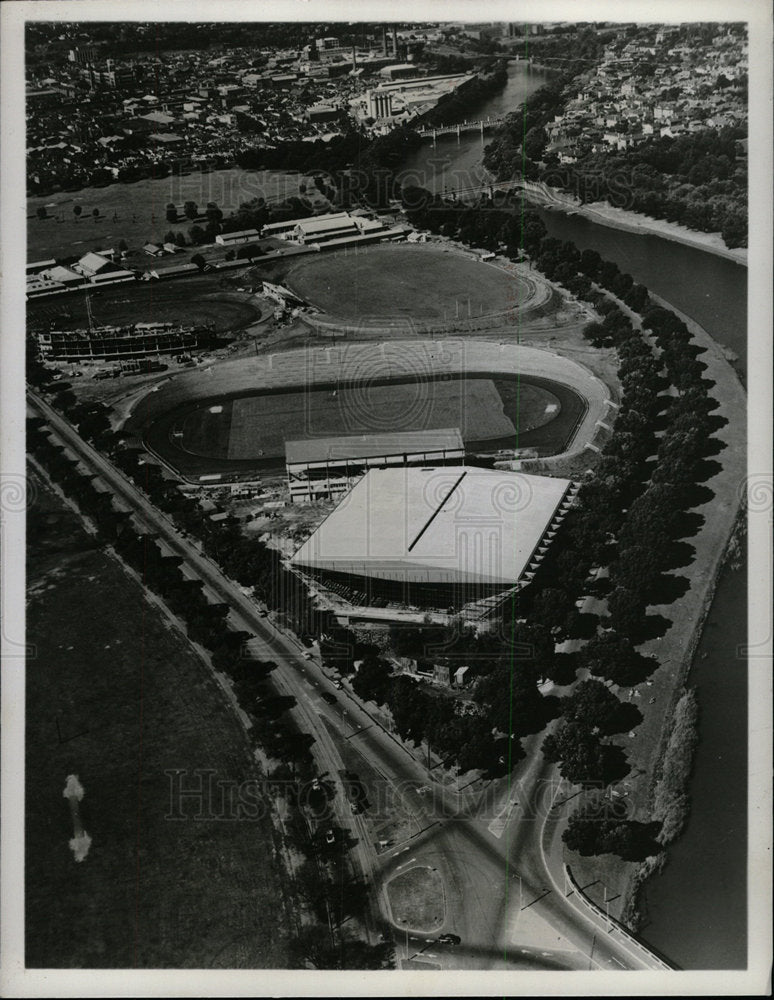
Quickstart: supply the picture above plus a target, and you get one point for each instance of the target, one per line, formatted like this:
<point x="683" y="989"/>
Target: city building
<point x="324" y="227"/>
<point x="322" y="113"/>
<point x="398" y="71"/>
<point x="379" y="104"/>
<point x="409" y="99"/>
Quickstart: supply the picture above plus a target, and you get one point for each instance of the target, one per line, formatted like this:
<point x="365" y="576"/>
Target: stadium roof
<point x="440" y="525"/>
<point x="335" y="449"/>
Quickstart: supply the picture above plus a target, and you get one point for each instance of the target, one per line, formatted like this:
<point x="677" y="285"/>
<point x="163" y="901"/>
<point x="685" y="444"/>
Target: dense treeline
<point x="459" y="105"/>
<point x="357" y="167"/>
<point x="697" y="180"/>
<point x="671" y="801"/>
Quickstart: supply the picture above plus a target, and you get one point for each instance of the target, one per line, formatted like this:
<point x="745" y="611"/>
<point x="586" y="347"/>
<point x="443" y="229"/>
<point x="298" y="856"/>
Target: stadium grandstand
<point x="435" y="537"/>
<point x="322" y="468"/>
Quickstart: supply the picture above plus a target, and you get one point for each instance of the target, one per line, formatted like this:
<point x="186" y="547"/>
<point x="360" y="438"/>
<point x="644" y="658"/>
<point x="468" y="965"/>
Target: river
<point x="697" y="907"/>
<point x="456" y="163"/>
<point x="710" y="289"/>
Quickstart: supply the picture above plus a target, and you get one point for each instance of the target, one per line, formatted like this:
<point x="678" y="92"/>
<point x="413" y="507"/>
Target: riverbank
<point x="631" y="222"/>
<point x="676" y="650"/>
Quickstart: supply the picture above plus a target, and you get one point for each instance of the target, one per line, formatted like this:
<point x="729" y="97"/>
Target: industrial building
<point x="409" y="99"/>
<point x="240" y="236"/>
<point x="321" y="468"/>
<point x="323" y="228"/>
<point x="435" y="537"/>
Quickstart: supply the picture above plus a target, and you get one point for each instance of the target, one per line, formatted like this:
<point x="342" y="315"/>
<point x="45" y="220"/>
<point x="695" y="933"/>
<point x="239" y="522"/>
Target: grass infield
<point x="405" y="282"/>
<point x="223" y="434"/>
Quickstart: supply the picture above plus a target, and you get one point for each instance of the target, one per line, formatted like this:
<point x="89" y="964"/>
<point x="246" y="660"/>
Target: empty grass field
<point x="117" y="696"/>
<point x="421" y="282"/>
<point x="137" y="212"/>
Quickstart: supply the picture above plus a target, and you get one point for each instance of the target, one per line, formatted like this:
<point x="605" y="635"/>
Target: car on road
<point x="330" y="837"/>
<point x="449" y="939"/>
<point x="338" y="685"/>
<point x="330" y="698"/>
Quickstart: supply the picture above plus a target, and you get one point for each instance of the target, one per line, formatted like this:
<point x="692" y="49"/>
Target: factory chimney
<point x="395" y="42"/>
<point x="384" y="40"/>
<point x="354" y="58"/>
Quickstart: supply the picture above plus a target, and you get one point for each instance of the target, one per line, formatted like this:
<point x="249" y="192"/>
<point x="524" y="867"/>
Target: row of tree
<point x="272" y="731"/>
<point x="646" y="478"/>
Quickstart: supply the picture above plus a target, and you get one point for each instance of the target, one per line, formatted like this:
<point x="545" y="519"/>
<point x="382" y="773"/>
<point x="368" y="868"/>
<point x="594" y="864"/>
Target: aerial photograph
<point x="386" y="546"/>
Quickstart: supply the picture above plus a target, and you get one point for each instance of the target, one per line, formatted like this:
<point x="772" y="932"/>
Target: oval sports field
<point x="389" y="282"/>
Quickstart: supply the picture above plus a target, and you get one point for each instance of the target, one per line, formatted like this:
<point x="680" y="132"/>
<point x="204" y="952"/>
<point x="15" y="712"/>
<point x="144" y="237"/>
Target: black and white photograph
<point x="386" y="499"/>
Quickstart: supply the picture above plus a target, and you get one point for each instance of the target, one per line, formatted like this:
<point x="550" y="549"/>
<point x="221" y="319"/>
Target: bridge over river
<point x="478" y="126"/>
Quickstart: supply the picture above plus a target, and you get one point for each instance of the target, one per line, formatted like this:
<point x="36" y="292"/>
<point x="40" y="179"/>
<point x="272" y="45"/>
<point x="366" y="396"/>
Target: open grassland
<point x="118" y="697"/>
<point x="419" y="282"/>
<point x="137" y="212"/>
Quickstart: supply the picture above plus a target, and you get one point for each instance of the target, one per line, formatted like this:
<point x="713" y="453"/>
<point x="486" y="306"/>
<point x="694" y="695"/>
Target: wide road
<point x="484" y="864"/>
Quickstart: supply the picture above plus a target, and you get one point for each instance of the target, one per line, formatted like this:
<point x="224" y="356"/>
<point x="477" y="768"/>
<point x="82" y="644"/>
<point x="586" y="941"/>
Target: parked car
<point x="449" y="939"/>
<point x="330" y="837"/>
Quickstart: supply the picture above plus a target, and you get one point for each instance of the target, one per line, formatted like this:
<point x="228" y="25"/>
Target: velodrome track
<point x="359" y="363"/>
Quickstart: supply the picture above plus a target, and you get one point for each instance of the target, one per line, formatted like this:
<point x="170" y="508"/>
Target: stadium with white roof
<point x="439" y="537"/>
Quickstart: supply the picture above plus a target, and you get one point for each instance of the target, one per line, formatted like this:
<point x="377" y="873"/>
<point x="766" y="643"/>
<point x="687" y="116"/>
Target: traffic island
<point x="417" y="899"/>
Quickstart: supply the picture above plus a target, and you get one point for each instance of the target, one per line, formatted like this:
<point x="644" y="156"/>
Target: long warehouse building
<point x="320" y="468"/>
